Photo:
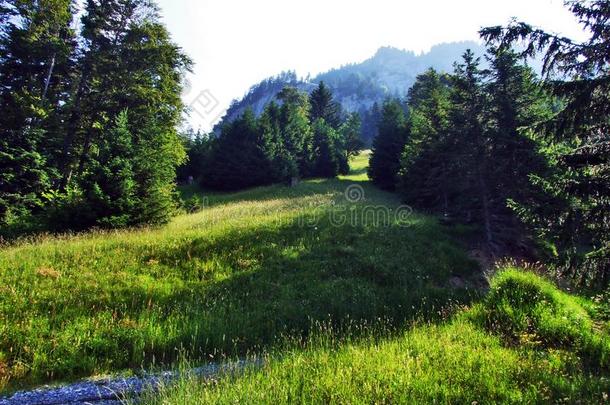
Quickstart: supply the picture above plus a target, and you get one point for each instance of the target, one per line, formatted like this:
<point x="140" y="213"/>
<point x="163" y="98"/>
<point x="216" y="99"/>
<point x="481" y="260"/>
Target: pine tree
<point x="516" y="102"/>
<point x="36" y="44"/>
<point x="109" y="186"/>
<point x="351" y="134"/>
<point x="238" y="158"/>
<point x="471" y="166"/>
<point x="572" y="208"/>
<point x="327" y="161"/>
<point x="424" y="177"/>
<point x="60" y="101"/>
<point x="324" y="107"/>
<point x="283" y="163"/>
<point x="296" y="129"/>
<point x="370" y="123"/>
<point x="130" y="63"/>
<point x="388" y="146"/>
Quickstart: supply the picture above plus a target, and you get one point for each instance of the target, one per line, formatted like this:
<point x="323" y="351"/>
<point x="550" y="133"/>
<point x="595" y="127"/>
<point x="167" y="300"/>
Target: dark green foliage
<point x="352" y="135"/>
<point x="424" y="178"/>
<point x="296" y="129"/>
<point x="388" y="146"/>
<point x="238" y="157"/>
<point x="36" y="43"/>
<point x="23" y="177"/>
<point x="471" y="164"/>
<point x="571" y="209"/>
<point x="467" y="156"/>
<point x="327" y="162"/>
<point x="282" y="145"/>
<point x="283" y="163"/>
<point x="62" y="94"/>
<point x="109" y="184"/>
<point x="198" y="148"/>
<point x="370" y="124"/>
<point x="324" y="107"/>
<point x="516" y="101"/>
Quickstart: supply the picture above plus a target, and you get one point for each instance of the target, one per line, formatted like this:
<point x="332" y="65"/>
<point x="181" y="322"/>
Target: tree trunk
<point x="486" y="211"/>
<point x="75" y="115"/>
<point x="48" y="79"/>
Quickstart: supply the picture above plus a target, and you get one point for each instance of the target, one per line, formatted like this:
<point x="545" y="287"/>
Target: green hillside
<point x="557" y="358"/>
<point x="238" y="276"/>
<point x="309" y="278"/>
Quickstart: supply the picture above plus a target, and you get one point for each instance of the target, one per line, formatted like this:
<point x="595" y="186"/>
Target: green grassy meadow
<point x="240" y="276"/>
<point x="347" y="301"/>
<point x="525" y="342"/>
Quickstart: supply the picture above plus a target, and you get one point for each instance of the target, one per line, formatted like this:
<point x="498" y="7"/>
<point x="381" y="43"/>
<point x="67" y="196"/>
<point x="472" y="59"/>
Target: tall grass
<point x="237" y="277"/>
<point x="562" y="359"/>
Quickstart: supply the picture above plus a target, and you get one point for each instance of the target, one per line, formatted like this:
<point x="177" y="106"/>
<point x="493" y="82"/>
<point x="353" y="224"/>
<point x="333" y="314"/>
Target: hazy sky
<point x="237" y="43"/>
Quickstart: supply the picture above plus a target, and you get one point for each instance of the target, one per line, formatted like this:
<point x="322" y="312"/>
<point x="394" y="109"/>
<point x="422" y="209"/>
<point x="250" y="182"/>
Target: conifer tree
<point x="351" y="135"/>
<point x="109" y="186"/>
<point x="238" y="159"/>
<point x="470" y="168"/>
<point x="327" y="160"/>
<point x="388" y="146"/>
<point x="60" y="101"/>
<point x="323" y="106"/>
<point x="36" y="45"/>
<point x="425" y="178"/>
<point x="572" y="208"/>
<point x="283" y="163"/>
<point x="296" y="129"/>
<point x="370" y="124"/>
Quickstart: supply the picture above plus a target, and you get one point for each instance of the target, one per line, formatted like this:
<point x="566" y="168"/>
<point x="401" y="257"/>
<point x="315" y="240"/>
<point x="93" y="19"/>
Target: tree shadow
<point x="252" y="289"/>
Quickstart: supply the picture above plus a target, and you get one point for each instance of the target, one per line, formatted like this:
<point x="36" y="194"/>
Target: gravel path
<point x="112" y="391"/>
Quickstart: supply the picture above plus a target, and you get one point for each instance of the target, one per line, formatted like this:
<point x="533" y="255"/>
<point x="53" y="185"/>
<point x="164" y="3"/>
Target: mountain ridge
<point x="390" y="72"/>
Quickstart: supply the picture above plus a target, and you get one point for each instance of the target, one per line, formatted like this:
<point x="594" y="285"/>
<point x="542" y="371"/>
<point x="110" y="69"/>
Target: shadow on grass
<point x="278" y="281"/>
<point x="241" y="292"/>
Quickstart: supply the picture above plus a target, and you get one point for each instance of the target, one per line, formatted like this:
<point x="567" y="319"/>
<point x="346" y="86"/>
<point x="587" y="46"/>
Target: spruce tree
<point x="327" y="160"/>
<point x="572" y="208"/>
<point x="516" y="102"/>
<point x="283" y="164"/>
<point x="109" y="186"/>
<point x="370" y="124"/>
<point x="425" y="177"/>
<point x="296" y="129"/>
<point x="323" y="106"/>
<point x="36" y="45"/>
<point x="238" y="159"/>
<point x="130" y="63"/>
<point x="388" y="146"/>
<point x="351" y="136"/>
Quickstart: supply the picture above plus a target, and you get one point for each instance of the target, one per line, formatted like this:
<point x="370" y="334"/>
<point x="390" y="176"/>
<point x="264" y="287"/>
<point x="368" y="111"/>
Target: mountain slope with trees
<point x="361" y="87"/>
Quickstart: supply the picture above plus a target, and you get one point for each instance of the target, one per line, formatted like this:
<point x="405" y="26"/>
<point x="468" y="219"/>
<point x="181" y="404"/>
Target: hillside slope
<point x="550" y="353"/>
<point x="239" y="276"/>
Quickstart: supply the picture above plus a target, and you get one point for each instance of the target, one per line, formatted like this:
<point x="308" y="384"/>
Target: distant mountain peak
<point x="390" y="72"/>
<point x="390" y="51"/>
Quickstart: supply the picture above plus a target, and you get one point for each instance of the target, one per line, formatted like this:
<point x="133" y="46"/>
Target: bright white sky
<point x="237" y="43"/>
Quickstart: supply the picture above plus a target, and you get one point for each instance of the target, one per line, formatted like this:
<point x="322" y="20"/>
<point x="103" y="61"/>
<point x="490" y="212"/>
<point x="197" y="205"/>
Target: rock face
<point x="389" y="73"/>
<point x="115" y="391"/>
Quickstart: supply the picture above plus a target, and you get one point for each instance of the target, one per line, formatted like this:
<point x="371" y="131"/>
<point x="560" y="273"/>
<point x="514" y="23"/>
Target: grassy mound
<point x="456" y="362"/>
<point x="241" y="275"/>
<point x="528" y="310"/>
